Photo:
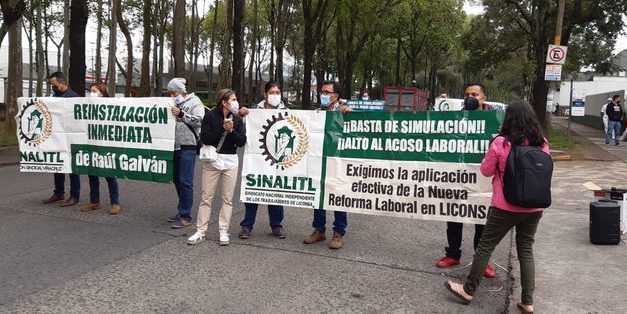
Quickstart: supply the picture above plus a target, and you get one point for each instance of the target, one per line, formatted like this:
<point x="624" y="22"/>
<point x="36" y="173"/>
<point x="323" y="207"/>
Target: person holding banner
<point x="329" y="101"/>
<point x="520" y="127"/>
<point x="474" y="99"/>
<point x="272" y="100"/>
<point x="100" y="90"/>
<point x="223" y="130"/>
<point x="189" y="112"/>
<point x="59" y="86"/>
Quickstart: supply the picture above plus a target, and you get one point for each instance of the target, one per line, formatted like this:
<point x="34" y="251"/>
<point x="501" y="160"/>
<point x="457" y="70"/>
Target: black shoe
<point x="245" y="233"/>
<point x="278" y="232"/>
<point x="617" y="144"/>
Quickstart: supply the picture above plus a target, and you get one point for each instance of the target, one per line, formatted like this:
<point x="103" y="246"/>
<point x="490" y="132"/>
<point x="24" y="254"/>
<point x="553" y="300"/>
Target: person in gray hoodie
<point x="189" y="112"/>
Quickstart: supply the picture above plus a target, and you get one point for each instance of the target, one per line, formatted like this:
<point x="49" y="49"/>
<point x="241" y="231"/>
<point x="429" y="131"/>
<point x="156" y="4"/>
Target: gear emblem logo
<point x="35" y="122"/>
<point x="284" y="140"/>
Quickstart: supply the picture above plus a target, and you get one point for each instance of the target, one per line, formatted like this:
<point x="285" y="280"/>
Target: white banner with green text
<point x="110" y="137"/>
<point x="422" y="165"/>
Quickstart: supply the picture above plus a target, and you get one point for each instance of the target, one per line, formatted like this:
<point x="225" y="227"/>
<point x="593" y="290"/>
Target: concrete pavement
<point x="60" y="260"/>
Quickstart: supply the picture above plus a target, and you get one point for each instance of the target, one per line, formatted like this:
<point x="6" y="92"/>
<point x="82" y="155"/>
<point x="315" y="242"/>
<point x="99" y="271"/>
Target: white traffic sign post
<point x="553" y="72"/>
<point x="556" y="54"/>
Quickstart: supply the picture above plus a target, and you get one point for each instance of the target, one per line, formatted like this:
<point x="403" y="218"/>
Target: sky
<point x="472" y="8"/>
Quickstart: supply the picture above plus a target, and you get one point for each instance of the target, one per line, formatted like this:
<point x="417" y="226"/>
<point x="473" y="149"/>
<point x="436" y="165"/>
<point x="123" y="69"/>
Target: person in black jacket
<point x="60" y="88"/>
<point x="614" y="113"/>
<point x="223" y="129"/>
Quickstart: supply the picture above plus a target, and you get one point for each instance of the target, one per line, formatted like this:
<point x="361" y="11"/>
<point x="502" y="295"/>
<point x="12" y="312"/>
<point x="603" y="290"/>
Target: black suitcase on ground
<point x="604" y="222"/>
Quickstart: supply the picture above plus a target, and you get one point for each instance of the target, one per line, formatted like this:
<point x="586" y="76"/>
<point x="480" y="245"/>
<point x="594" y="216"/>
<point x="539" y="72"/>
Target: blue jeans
<point x="184" y="161"/>
<point x="94" y="190"/>
<point x="320" y="220"/>
<point x="615" y="127"/>
<point x="275" y="213"/>
<point x="75" y="185"/>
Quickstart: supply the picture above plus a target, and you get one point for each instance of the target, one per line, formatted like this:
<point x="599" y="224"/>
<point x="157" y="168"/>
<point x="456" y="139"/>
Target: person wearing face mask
<point x="272" y="100"/>
<point x="614" y="112"/>
<point x="365" y="96"/>
<point x="329" y="101"/>
<point x="474" y="99"/>
<point x="223" y="129"/>
<point x="189" y="112"/>
<point x="59" y="87"/>
<point x="100" y="90"/>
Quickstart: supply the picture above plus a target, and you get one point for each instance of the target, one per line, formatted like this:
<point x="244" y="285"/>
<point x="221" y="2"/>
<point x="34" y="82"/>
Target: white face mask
<point x="179" y="99"/>
<point x="234" y="107"/>
<point x="94" y="94"/>
<point x="274" y="100"/>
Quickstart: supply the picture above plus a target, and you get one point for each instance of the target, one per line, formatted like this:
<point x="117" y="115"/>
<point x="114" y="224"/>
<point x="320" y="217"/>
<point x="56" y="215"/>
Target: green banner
<point x="129" y="163"/>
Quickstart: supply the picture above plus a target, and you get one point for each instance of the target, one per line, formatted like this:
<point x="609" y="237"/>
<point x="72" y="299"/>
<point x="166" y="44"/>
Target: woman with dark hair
<point x="520" y="127"/>
<point x="271" y="100"/>
<point x="223" y="129"/>
<point x="100" y="90"/>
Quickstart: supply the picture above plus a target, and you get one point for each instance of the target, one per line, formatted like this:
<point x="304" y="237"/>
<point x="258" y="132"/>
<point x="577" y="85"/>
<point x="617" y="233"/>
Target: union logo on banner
<point x="35" y="123"/>
<point x="284" y="140"/>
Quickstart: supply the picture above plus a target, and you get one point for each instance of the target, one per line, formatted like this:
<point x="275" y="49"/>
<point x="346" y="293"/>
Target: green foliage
<point x="559" y="141"/>
<point x="7" y="139"/>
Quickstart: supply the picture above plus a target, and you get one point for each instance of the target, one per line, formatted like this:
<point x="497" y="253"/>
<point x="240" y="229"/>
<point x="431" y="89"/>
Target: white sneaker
<point x="196" y="238"/>
<point x="224" y="238"/>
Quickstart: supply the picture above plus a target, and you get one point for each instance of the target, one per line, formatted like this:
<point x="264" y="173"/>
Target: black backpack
<point x="527" y="178"/>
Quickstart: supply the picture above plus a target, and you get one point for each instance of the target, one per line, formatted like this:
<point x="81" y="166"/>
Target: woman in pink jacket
<point x="520" y="127"/>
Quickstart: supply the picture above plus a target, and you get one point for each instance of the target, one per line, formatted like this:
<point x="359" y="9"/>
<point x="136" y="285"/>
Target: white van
<point x="456" y="104"/>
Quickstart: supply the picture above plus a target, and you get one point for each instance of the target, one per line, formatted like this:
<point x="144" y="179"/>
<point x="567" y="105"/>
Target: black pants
<point x="454" y="231"/>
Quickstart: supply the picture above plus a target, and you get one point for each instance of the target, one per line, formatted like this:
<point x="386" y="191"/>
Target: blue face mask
<point x="325" y="100"/>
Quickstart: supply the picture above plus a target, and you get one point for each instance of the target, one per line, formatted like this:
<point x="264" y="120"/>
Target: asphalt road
<point x="60" y="260"/>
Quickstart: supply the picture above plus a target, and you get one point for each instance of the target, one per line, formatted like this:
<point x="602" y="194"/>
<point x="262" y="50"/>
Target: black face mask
<point x="56" y="91"/>
<point x="471" y="103"/>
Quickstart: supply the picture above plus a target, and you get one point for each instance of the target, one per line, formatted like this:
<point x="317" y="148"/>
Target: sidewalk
<point x="591" y="141"/>
<point x="573" y="275"/>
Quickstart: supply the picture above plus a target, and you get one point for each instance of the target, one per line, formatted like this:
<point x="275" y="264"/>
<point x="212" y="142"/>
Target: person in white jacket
<point x="604" y="116"/>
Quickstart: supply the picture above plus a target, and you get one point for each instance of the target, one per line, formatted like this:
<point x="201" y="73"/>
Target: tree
<point x="535" y="20"/>
<point x="12" y="11"/>
<point x="314" y="14"/>
<point x="178" y="29"/>
<point x="111" y="74"/>
<point x="78" y="23"/>
<point x="144" y="85"/>
<point x="128" y="74"/>
<point x="237" y="81"/>
<point x="99" y="22"/>
<point x="14" y="86"/>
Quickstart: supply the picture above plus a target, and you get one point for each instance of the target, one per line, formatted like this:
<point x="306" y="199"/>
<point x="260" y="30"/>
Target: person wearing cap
<point x="189" y="112"/>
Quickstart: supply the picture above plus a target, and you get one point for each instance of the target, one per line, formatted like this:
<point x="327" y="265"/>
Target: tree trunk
<point x="194" y="41"/>
<point x="397" y="79"/>
<point x="99" y="22"/>
<point x="144" y="85"/>
<point x="66" y="35"/>
<point x="29" y="36"/>
<point x="14" y="87"/>
<point x="111" y="74"/>
<point x="178" y="31"/>
<point x="12" y="11"/>
<point x="253" y="51"/>
<point x="39" y="53"/>
<point x="212" y="47"/>
<point x="155" y="48"/>
<point x="540" y="86"/>
<point x="313" y="19"/>
<point x="225" y="64"/>
<point x="78" y="24"/>
<point x="237" y="81"/>
<point x="129" y="49"/>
